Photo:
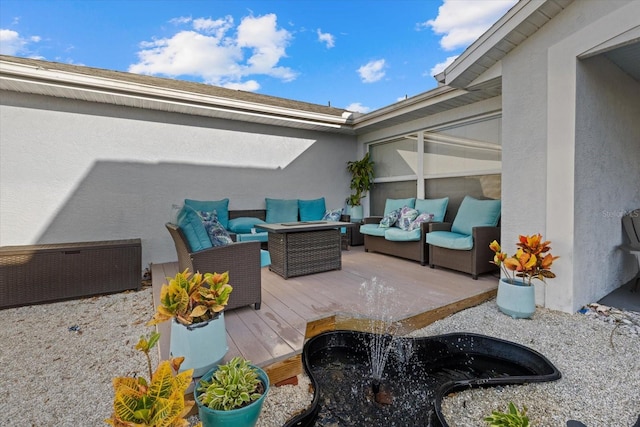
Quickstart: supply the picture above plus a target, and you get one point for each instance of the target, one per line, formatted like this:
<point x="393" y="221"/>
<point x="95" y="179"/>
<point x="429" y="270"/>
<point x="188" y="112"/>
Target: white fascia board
<point x="122" y="88"/>
<point x="509" y="21"/>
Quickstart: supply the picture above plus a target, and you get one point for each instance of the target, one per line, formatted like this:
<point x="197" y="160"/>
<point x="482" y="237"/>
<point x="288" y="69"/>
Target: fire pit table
<point x="304" y="247"/>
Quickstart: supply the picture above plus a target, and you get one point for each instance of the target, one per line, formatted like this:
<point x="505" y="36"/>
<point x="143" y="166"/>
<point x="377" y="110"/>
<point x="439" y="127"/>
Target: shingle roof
<point x="181" y="85"/>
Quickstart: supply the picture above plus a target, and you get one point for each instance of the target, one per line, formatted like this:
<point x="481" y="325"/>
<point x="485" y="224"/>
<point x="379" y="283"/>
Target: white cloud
<point x="11" y="43"/>
<point x="372" y="71"/>
<point x="461" y="22"/>
<point x="328" y="39"/>
<point x="439" y="67"/>
<point x="210" y="51"/>
<point x="357" y="107"/>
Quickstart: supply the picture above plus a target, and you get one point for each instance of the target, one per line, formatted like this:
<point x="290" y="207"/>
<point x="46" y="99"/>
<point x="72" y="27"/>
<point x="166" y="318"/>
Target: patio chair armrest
<point x="345" y="218"/>
<point x="439" y="226"/>
<point x="372" y="220"/>
<point x="220" y="255"/>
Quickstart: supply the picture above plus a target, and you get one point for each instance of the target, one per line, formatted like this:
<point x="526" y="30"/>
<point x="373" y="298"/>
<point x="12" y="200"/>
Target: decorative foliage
<point x="529" y="262"/>
<point x="193" y="298"/>
<point x="512" y="418"/>
<point x="158" y="403"/>
<point x="361" y="178"/>
<point x="233" y="385"/>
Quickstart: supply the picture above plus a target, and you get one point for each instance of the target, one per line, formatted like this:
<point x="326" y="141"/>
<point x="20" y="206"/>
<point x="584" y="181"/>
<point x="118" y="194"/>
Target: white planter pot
<point x="516" y="299"/>
<point x="203" y="345"/>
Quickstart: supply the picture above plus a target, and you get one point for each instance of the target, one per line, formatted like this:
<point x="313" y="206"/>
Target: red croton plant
<point x="531" y="260"/>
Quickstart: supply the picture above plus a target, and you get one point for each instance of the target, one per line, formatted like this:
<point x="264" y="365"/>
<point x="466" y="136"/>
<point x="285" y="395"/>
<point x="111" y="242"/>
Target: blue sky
<point x="356" y="54"/>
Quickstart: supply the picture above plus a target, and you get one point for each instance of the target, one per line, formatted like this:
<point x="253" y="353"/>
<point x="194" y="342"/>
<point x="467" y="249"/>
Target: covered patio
<point x="304" y="306"/>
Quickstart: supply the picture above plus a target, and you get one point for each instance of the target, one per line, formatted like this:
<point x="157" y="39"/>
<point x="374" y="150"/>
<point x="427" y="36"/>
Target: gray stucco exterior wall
<point x="78" y="171"/>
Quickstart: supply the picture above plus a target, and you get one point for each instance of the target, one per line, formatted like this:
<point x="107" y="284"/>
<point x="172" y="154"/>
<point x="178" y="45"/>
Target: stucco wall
<point x="607" y="175"/>
<point x="76" y="171"/>
<point x="539" y="159"/>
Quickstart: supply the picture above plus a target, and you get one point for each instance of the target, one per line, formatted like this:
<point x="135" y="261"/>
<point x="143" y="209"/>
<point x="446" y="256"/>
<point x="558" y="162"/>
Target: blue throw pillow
<point x="476" y="213"/>
<point x="281" y="210"/>
<point x="390" y="219"/>
<point x="332" y="215"/>
<point x="220" y="206"/>
<point x="311" y="210"/>
<point x="216" y="232"/>
<point x="193" y="229"/>
<point x="437" y="207"/>
<point x="243" y="224"/>
<point x="393" y="204"/>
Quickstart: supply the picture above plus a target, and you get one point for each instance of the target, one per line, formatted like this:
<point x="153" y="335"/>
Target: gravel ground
<point x="64" y="355"/>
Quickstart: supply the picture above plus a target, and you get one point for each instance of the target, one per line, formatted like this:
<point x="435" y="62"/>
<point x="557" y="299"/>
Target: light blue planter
<point x="516" y="299"/>
<point x="356" y="212"/>
<point x="203" y="345"/>
<point x="246" y="416"/>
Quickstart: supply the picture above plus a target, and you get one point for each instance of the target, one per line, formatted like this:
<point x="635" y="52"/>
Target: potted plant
<point x="157" y="402"/>
<point x="516" y="295"/>
<point x="361" y="181"/>
<point x="232" y="394"/>
<point x="194" y="303"/>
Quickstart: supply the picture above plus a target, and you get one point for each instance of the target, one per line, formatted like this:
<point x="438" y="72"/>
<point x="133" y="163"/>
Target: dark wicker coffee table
<point x="306" y="247"/>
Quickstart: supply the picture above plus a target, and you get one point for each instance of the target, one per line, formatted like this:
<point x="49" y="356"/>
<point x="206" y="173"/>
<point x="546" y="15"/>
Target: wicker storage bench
<point x="50" y="272"/>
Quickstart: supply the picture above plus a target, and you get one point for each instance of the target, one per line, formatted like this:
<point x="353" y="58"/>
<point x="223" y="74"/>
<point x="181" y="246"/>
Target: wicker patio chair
<point x="241" y="260"/>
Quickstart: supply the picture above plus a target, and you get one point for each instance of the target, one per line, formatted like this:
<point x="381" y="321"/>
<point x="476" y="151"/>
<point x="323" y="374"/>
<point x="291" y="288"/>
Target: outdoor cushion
<point x="253" y="237"/>
<point x="423" y="217"/>
<point x="265" y="258"/>
<point x="391" y="205"/>
<point x="390" y="219"/>
<point x="311" y="210"/>
<point x="218" y="235"/>
<point x="243" y="224"/>
<point x="438" y="207"/>
<point x="397" y="235"/>
<point x="372" y="230"/>
<point x="281" y="210"/>
<point x="476" y="213"/>
<point x="221" y="207"/>
<point x="332" y="215"/>
<point x="407" y="215"/>
<point x="450" y="240"/>
<point x="191" y="225"/>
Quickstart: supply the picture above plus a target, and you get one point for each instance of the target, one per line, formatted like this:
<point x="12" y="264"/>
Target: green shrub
<point x="233" y="385"/>
<point x="511" y="418"/>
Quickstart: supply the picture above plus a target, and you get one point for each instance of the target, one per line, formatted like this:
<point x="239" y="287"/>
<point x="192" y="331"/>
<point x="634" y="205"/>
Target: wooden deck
<point x="301" y="307"/>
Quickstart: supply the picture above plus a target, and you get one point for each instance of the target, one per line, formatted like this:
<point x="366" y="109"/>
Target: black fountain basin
<point x="417" y="374"/>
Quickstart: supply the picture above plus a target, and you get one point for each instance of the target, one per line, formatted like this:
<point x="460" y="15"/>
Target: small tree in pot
<point x="361" y="182"/>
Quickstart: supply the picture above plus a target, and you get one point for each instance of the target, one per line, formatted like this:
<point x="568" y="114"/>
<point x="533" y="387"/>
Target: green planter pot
<point x="203" y="345"/>
<point x="247" y="416"/>
<point x="516" y="299"/>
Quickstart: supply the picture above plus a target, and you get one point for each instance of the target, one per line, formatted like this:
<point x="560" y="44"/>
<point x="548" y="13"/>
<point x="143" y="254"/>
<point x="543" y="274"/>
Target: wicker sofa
<point x="394" y="241"/>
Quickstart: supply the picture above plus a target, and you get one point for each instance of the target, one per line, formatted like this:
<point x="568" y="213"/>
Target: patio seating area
<point x="299" y="307"/>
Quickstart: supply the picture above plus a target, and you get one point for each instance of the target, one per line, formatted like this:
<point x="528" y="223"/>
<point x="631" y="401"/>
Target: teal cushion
<point x="281" y="210"/>
<point x="449" y="240"/>
<point x="476" y="213"/>
<point x="243" y="224"/>
<point x="193" y="229"/>
<point x="265" y="258"/>
<point x="253" y="237"/>
<point x="398" y="235"/>
<point x="393" y="204"/>
<point x="372" y="230"/>
<point x="221" y="207"/>
<point x="311" y="210"/>
<point x="438" y="207"/>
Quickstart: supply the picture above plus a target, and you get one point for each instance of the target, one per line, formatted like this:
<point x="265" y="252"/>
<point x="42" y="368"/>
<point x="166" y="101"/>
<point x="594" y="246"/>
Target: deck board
<point x="273" y="336"/>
